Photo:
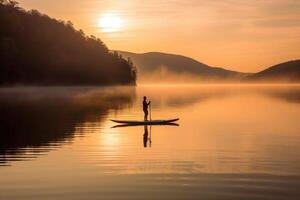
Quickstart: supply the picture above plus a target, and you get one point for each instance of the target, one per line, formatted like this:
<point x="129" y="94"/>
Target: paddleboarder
<point x="145" y="108"/>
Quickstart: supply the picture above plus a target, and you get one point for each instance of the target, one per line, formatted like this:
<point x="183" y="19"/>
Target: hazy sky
<point x="235" y="34"/>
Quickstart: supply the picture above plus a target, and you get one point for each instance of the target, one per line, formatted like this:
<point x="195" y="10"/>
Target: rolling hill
<point x="163" y="67"/>
<point x="287" y="72"/>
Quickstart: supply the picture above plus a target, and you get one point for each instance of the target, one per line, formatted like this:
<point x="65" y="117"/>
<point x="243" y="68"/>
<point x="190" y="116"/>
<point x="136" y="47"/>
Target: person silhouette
<point x="145" y="108"/>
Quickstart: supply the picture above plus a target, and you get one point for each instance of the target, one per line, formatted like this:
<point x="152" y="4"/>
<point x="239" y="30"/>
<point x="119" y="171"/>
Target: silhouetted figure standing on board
<point x="145" y="108"/>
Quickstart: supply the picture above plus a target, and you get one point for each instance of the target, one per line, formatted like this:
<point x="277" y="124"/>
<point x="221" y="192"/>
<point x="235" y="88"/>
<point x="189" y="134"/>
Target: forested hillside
<point x="38" y="50"/>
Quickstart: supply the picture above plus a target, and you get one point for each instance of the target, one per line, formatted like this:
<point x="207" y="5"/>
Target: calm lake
<point x="232" y="142"/>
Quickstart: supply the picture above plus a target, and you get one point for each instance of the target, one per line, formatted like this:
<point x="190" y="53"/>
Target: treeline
<point x="38" y="50"/>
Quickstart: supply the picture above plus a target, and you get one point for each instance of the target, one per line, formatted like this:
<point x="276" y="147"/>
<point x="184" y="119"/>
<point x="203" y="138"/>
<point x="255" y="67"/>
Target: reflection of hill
<point x="288" y="94"/>
<point x="47" y="117"/>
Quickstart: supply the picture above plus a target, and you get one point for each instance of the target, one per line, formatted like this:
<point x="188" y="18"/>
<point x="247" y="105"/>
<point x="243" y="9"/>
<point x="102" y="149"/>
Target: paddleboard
<point x="129" y="125"/>
<point x="150" y="122"/>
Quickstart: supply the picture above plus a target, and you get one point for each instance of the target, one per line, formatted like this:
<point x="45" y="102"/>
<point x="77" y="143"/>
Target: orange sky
<point x="240" y="35"/>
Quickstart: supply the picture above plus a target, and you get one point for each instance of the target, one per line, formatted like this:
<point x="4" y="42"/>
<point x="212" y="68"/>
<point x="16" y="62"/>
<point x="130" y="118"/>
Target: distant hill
<point x="163" y="67"/>
<point x="38" y="50"/>
<point x="288" y="72"/>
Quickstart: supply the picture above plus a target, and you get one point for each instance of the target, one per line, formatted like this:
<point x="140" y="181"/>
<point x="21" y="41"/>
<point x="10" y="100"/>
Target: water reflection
<point x="35" y="120"/>
<point x="288" y="94"/>
<point x="234" y="142"/>
<point x="146" y="137"/>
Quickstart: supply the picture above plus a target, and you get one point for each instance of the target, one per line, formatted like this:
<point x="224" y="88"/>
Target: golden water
<point x="232" y="142"/>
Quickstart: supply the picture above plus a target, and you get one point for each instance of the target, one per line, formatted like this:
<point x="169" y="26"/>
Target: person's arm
<point x="149" y="103"/>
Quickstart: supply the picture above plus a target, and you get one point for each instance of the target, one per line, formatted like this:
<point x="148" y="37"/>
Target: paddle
<point x="150" y="127"/>
<point x="150" y="112"/>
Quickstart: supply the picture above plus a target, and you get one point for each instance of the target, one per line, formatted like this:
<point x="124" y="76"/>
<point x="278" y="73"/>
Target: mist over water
<point x="164" y="75"/>
<point x="233" y="142"/>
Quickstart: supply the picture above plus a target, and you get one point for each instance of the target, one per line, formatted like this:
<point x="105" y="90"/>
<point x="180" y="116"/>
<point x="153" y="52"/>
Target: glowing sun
<point x="110" y="22"/>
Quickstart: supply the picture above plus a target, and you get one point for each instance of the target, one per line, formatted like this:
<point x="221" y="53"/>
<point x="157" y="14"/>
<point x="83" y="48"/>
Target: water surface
<point x="233" y="142"/>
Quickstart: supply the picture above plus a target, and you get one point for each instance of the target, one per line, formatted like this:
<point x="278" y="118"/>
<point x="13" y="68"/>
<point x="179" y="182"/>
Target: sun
<point x="110" y="22"/>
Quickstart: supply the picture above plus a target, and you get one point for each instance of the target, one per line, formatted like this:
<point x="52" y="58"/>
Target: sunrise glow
<point x="110" y="22"/>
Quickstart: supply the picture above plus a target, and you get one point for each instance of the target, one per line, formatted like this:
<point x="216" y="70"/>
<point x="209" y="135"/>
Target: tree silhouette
<point x="38" y="50"/>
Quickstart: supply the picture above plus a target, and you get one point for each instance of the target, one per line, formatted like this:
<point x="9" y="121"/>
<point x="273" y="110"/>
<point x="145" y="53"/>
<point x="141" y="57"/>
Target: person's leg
<point x="146" y="115"/>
